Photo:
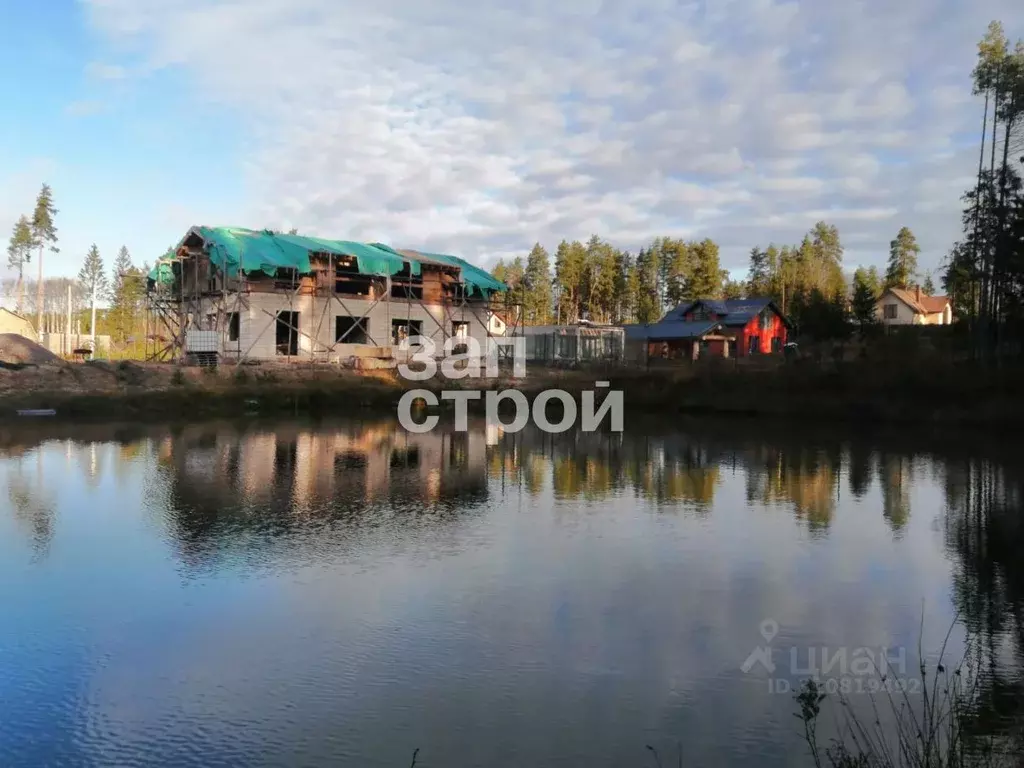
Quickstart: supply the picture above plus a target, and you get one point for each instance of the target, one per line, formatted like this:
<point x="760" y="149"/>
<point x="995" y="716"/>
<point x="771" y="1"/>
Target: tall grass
<point x="936" y="726"/>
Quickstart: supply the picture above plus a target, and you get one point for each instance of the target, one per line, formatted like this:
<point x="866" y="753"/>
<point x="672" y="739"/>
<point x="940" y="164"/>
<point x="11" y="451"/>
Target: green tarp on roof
<point x="477" y="279"/>
<point x="231" y="248"/>
<point x="162" y="272"/>
<point x="234" y="248"/>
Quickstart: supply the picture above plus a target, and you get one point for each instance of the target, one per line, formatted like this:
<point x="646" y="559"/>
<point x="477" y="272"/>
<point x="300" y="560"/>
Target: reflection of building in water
<point x="302" y="465"/>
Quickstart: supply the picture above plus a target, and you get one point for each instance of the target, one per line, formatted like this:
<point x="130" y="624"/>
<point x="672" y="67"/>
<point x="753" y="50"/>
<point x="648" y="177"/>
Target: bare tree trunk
<point x="21" y="287"/>
<point x="39" y="294"/>
<point x="92" y="321"/>
<point x="977" y="225"/>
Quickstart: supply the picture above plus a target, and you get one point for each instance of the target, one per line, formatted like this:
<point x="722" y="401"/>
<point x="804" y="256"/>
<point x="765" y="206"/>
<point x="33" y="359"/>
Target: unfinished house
<point x="241" y="294"/>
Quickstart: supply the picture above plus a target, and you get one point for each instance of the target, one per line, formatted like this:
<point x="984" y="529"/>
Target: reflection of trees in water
<point x="32" y="506"/>
<point x="860" y="469"/>
<point x="805" y="478"/>
<point x="984" y="531"/>
<point x="896" y="476"/>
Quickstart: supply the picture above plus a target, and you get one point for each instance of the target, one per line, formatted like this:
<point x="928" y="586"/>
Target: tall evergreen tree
<point x="623" y="310"/>
<point x="734" y="289"/>
<point x="928" y="286"/>
<point x="44" y="237"/>
<point x="19" y="252"/>
<point x="126" y="295"/>
<point x="759" y="274"/>
<point x="537" y="278"/>
<point x="93" y="280"/>
<point x="648" y="297"/>
<point x="865" y="297"/>
<point x="499" y="271"/>
<point x="570" y="263"/>
<point x="827" y="273"/>
<point x="705" y="277"/>
<point x="902" y="269"/>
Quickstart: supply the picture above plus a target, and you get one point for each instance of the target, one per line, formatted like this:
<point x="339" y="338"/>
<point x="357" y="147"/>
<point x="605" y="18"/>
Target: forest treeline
<point x="598" y="282"/>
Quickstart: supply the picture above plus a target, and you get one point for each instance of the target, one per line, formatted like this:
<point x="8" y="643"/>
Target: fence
<point x="65" y="344"/>
<point x="572" y="344"/>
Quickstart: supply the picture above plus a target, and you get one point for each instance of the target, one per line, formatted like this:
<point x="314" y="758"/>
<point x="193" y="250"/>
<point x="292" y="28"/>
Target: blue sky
<point x="480" y="130"/>
<point x="131" y="160"/>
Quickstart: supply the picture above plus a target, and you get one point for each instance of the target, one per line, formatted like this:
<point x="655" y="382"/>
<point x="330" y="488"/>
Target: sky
<point x="478" y="129"/>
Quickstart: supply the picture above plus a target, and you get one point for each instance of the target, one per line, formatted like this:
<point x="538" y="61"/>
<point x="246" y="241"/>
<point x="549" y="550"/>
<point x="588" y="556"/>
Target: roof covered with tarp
<point x="234" y="248"/>
<point x="163" y="272"/>
<point x="476" y="279"/>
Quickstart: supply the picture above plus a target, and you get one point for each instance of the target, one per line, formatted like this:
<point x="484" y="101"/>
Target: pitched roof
<point x="926" y="305"/>
<point x="733" y="312"/>
<point x="671" y="329"/>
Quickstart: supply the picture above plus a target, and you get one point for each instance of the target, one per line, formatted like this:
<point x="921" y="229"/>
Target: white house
<point x="496" y="324"/>
<point x="900" y="306"/>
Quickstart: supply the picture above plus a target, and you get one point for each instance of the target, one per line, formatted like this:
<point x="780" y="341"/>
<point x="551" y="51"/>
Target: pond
<point x="315" y="593"/>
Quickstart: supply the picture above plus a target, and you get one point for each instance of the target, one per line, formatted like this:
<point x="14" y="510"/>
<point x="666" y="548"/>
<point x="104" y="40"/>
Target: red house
<point x="729" y="328"/>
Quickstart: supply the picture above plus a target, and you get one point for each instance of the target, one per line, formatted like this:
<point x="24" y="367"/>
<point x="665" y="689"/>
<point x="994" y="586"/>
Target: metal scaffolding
<point x="202" y="298"/>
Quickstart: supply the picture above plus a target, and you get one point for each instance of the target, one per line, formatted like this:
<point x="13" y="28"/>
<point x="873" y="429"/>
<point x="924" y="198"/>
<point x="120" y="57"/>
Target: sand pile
<point x="17" y="350"/>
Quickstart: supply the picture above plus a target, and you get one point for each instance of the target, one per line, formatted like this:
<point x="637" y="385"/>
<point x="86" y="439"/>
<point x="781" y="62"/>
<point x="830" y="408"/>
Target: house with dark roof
<point x="902" y="306"/>
<point x="715" y="327"/>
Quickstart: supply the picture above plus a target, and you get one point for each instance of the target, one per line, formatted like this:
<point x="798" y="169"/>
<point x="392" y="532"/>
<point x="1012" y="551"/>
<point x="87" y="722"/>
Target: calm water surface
<point x="343" y="593"/>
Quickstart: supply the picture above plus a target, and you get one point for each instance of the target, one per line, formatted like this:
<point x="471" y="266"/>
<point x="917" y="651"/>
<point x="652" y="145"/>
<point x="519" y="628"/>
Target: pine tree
<point x="605" y="279"/>
<point x="44" y="237"/>
<point x="759" y="274"/>
<point x="570" y="263"/>
<point x="126" y="295"/>
<point x="704" y="280"/>
<point x="902" y="268"/>
<point x="19" y="252"/>
<point x="928" y="286"/>
<point x="537" y="278"/>
<point x="499" y="271"/>
<point x="94" y="283"/>
<point x="827" y="270"/>
<point x="864" y="300"/>
<point x="733" y="289"/>
<point x="623" y="293"/>
<point x="648" y="298"/>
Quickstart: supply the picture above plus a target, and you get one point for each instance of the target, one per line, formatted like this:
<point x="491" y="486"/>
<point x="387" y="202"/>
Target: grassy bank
<point x="941" y="395"/>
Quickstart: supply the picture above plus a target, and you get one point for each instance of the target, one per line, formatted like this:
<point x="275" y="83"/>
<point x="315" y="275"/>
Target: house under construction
<point x="241" y="294"/>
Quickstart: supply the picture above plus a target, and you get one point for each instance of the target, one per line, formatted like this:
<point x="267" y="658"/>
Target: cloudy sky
<point x="480" y="128"/>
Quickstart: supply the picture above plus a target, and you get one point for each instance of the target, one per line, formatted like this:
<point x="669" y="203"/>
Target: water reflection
<point x="984" y="531"/>
<point x="32" y="505"/>
<point x="626" y="626"/>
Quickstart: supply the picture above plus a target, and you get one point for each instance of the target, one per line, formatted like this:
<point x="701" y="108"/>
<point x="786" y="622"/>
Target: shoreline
<point x="949" y="398"/>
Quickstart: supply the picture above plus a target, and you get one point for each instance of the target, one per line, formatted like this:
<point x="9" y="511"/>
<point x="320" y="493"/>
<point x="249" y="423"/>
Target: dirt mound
<point x="17" y="350"/>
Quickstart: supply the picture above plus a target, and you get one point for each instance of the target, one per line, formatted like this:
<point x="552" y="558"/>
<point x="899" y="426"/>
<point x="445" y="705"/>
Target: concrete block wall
<point x="317" y="320"/>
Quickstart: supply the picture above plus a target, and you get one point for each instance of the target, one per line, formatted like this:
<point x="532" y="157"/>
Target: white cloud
<point x="482" y="128"/>
<point x="83" y="108"/>
<point x="100" y="71"/>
